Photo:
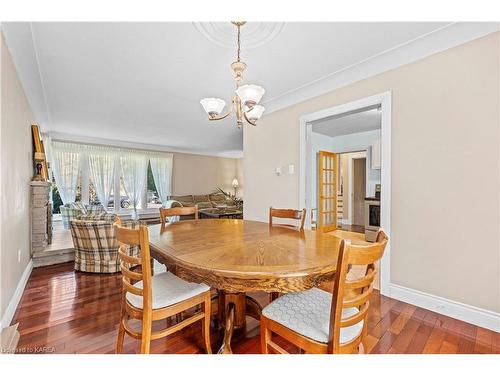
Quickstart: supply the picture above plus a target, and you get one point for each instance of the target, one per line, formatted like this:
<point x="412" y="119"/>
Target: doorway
<point x="358" y="192"/>
<point x="382" y="163"/>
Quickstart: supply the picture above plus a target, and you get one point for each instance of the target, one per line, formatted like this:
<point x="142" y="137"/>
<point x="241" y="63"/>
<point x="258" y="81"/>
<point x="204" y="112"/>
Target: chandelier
<point x="246" y="98"/>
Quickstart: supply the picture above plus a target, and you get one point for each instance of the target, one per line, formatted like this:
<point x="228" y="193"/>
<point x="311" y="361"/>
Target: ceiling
<point x="142" y="82"/>
<point x="349" y="124"/>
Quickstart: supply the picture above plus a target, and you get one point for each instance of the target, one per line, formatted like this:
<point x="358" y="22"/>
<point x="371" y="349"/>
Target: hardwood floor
<point x="63" y="311"/>
<point x="352" y="228"/>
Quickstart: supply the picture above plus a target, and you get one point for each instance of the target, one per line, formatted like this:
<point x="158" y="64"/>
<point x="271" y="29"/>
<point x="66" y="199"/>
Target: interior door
<point x="327" y="191"/>
<point x="358" y="191"/>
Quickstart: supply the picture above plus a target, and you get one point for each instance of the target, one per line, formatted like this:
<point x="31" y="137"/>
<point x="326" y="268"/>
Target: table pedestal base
<point x="233" y="308"/>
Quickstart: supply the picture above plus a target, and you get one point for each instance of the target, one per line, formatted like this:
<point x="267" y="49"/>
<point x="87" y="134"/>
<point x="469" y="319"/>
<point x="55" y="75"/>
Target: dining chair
<point x="321" y="322"/>
<point x="287" y="213"/>
<point x="150" y="298"/>
<point x="177" y="211"/>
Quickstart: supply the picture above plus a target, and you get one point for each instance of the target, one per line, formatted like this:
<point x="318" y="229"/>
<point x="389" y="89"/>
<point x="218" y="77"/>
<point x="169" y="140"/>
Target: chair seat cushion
<point x="308" y="313"/>
<point x="168" y="290"/>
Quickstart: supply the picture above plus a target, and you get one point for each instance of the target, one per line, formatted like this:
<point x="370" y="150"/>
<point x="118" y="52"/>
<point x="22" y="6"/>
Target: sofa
<point x="201" y="201"/>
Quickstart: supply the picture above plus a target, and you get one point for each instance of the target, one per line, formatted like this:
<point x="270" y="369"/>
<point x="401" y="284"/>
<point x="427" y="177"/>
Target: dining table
<point x="236" y="256"/>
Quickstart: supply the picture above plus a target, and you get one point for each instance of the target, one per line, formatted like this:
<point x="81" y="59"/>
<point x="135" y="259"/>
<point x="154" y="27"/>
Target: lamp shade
<point x="256" y="112"/>
<point x="250" y="94"/>
<point x="235" y="183"/>
<point x="213" y="105"/>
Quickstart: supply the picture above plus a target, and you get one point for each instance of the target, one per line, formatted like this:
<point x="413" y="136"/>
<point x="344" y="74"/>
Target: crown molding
<point x="436" y="41"/>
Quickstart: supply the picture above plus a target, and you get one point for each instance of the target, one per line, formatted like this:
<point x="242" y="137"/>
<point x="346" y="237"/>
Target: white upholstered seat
<point x="167" y="290"/>
<point x="308" y="313"/>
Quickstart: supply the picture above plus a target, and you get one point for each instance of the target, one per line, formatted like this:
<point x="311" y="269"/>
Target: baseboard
<point x="16" y="297"/>
<point x="461" y="311"/>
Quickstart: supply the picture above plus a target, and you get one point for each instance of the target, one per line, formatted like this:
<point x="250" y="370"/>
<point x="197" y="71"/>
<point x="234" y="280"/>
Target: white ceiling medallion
<point x="255" y="34"/>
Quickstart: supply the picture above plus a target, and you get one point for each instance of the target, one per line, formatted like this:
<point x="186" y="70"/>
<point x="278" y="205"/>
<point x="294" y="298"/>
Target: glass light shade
<point x="213" y="105"/>
<point x="250" y="93"/>
<point x="255" y="113"/>
<point x="235" y="183"/>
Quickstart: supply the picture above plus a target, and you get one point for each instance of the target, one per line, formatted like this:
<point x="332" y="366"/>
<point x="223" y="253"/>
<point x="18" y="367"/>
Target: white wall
<point x="445" y="118"/>
<point x="199" y="174"/>
<point x="16" y="172"/>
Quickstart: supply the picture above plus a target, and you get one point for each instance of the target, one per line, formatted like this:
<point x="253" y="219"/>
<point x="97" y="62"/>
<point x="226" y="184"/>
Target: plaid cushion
<point x="100" y="216"/>
<point x="96" y="247"/>
<point x="71" y="211"/>
<point x="77" y="206"/>
<point x="94" y="208"/>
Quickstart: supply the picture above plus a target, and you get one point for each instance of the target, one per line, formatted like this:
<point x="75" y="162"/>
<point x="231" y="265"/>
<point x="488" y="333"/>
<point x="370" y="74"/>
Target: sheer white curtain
<point x="161" y="167"/>
<point x="65" y="161"/>
<point x="134" y="172"/>
<point x="102" y="170"/>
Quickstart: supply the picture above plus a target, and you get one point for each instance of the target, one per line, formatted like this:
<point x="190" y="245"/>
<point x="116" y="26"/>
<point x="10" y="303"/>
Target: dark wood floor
<point x="66" y="312"/>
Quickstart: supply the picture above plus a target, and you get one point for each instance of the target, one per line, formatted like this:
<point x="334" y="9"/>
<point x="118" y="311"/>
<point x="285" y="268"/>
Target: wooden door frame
<point x="384" y="100"/>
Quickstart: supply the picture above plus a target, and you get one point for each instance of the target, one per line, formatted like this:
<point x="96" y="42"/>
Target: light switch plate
<point x="291" y="169"/>
<point x="278" y="171"/>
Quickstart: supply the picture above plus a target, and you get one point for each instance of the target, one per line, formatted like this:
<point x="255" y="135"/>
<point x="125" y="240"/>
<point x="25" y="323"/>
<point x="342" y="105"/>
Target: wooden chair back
<point x="177" y="211"/>
<point x="131" y="274"/>
<point x="287" y="213"/>
<point x="353" y="293"/>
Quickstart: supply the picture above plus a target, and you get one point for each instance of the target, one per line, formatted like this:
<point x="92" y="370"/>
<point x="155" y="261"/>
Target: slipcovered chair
<point x="71" y="211"/>
<point x="96" y="247"/>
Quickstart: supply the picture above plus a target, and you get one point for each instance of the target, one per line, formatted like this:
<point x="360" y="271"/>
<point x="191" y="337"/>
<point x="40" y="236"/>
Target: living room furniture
<point x="218" y="213"/>
<point x="74" y="210"/>
<point x="216" y="252"/>
<point x="202" y="200"/>
<point x="96" y="247"/>
<point x="151" y="298"/>
<point x="286" y="213"/>
<point x="166" y="213"/>
<point x="321" y="322"/>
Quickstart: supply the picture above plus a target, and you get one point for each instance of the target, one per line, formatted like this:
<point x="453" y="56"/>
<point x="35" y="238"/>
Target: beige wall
<point x="16" y="171"/>
<point x="198" y="174"/>
<point x="445" y="209"/>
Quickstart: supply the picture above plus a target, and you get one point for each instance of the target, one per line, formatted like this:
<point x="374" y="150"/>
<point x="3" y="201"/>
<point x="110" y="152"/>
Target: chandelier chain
<point x="239" y="43"/>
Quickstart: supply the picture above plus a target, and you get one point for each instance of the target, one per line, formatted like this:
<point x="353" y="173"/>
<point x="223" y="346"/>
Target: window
<point x="152" y="199"/>
<point x="119" y="200"/>
<point x="56" y="198"/>
<point x="79" y="189"/>
<point x="124" y="198"/>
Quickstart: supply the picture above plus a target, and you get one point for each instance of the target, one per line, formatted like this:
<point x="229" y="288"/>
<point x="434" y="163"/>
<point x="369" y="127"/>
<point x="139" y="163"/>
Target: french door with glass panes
<point x="327" y="191"/>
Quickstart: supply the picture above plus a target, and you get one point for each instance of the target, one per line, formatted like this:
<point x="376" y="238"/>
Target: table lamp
<point x="236" y="185"/>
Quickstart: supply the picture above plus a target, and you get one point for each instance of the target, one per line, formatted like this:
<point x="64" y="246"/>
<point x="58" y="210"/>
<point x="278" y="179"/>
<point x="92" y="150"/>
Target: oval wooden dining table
<point x="239" y="256"/>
